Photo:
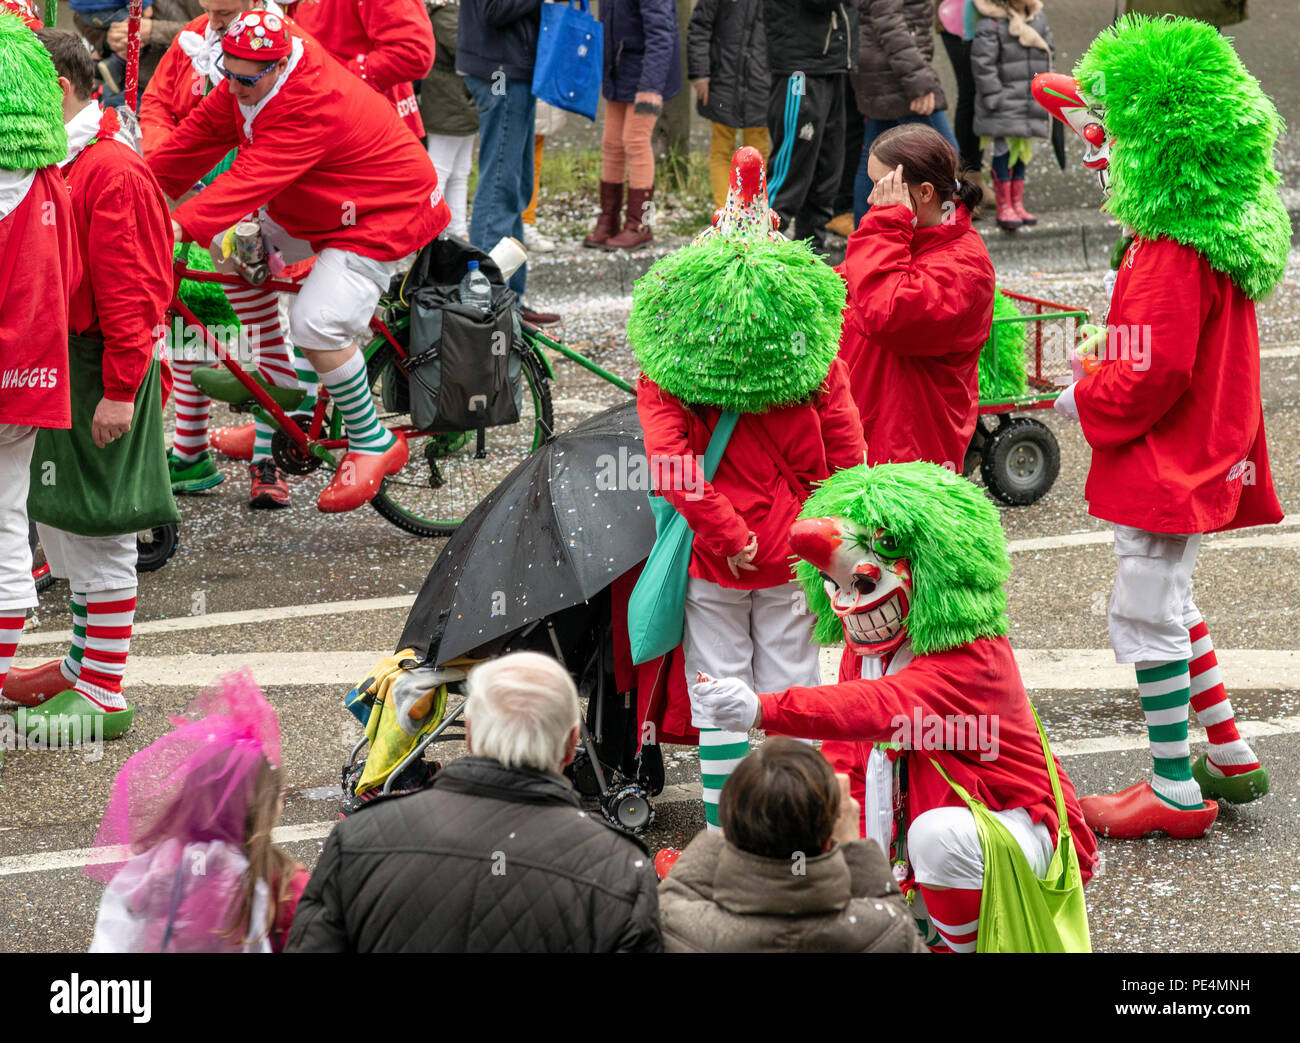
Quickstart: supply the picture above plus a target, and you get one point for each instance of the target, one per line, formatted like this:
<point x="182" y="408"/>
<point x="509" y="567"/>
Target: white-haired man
<point x="498" y="856"/>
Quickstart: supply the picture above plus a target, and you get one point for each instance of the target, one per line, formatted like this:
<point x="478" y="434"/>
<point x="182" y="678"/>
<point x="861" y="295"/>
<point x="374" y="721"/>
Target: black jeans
<point x="968" y="142"/>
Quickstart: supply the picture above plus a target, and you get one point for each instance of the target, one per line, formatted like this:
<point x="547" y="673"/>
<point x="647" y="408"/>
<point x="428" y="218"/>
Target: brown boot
<point x="611" y="202"/>
<point x="976" y="177"/>
<point x="636" y="232"/>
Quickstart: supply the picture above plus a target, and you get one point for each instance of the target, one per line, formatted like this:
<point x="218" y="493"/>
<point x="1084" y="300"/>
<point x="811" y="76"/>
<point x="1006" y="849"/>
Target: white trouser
<point x="337" y="299"/>
<point x="453" y="156"/>
<point x="943" y="845"/>
<point x="763" y="637"/>
<point x="17" y="591"/>
<point x="1151" y="605"/>
<point x="90" y="563"/>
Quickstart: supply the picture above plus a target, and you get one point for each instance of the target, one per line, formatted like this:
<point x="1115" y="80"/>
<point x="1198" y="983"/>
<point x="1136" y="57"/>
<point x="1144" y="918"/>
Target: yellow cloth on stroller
<point x="396" y="712"/>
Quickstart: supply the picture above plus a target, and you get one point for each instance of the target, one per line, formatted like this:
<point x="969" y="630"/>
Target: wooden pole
<point x="136" y="13"/>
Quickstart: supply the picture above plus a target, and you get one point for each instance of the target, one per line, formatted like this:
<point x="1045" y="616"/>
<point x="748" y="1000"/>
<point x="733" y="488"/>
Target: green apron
<point x="124" y="487"/>
<point x="1018" y="911"/>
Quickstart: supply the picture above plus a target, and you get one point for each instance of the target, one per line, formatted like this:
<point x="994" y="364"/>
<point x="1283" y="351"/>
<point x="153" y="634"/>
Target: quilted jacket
<point x="490" y="859"/>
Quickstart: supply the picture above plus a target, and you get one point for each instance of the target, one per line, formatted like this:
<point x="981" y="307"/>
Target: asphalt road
<point x="1235" y="890"/>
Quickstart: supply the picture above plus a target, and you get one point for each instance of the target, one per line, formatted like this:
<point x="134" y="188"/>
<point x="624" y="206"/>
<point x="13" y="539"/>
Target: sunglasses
<point x="247" y="81"/>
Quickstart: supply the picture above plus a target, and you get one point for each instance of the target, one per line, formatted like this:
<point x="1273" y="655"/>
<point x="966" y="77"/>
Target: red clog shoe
<point x="665" y="859"/>
<point x="33" y="686"/>
<point x="1137" y="812"/>
<point x="360" y="475"/>
<point x="234" y="442"/>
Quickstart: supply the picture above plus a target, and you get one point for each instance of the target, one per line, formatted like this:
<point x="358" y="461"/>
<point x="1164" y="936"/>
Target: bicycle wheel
<point x="445" y="479"/>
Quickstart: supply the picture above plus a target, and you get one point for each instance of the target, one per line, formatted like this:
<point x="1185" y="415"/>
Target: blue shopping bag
<point x="656" y="608"/>
<point x="570" y="52"/>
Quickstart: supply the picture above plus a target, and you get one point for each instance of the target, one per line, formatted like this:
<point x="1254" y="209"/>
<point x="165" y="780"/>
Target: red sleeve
<point x="202" y="138"/>
<point x="158" y="113"/>
<point x="862" y="711"/>
<point x="1156" y="322"/>
<point x="905" y="307"/>
<point x="281" y="152"/>
<point x="841" y="425"/>
<point x="401" y="36"/>
<point x="667" y="427"/>
<point x="131" y="278"/>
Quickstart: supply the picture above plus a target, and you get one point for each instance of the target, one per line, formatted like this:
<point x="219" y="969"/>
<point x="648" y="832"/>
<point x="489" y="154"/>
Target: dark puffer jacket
<point x="895" y="57"/>
<point x="498" y="34"/>
<point x="727" y="42"/>
<point x="815" y="37"/>
<point x="1003" y="68"/>
<point x="718" y="898"/>
<point x="643" y="48"/>
<point x="445" y="102"/>
<point x="489" y="860"/>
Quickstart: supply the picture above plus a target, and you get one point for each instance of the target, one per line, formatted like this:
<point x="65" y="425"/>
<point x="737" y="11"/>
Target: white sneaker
<point x="535" y="242"/>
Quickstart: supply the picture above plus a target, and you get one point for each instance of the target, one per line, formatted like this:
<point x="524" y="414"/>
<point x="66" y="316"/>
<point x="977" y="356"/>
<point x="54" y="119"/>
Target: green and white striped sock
<point x="262" y="432"/>
<point x="1166" y="692"/>
<point x="72" y="661"/>
<point x="347" y="386"/>
<point x="307" y="380"/>
<point x="720" y="752"/>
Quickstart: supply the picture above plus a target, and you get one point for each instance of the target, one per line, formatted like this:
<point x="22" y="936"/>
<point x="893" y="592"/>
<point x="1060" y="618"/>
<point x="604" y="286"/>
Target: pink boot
<point x="1018" y="203"/>
<point x="1008" y="216"/>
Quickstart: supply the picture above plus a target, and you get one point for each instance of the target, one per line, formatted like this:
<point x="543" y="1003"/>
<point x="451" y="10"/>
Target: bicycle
<point x="452" y="471"/>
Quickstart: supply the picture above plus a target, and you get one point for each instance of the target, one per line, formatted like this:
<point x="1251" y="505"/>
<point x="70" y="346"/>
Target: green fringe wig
<point x="737" y="322"/>
<point x="1002" y="358"/>
<point x="1194" y="136"/>
<point x="31" y="104"/>
<point x="947" y="528"/>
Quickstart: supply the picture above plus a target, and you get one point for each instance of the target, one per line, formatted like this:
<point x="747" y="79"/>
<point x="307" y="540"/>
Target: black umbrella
<point x="559" y="528"/>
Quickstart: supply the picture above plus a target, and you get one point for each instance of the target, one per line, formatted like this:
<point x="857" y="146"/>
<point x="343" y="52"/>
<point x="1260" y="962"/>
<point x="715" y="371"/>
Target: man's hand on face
<point x="118" y="30"/>
<point x="112" y="420"/>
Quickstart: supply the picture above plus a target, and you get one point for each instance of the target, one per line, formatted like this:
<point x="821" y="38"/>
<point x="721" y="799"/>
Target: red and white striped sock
<point x="10" y="628"/>
<point x="192" y="409"/>
<point x="1229" y="753"/>
<point x="109" y="616"/>
<point x="259" y="311"/>
<point x="955" y="914"/>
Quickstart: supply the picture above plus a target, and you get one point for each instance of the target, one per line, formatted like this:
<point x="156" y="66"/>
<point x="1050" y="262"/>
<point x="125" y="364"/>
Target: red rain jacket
<point x="748" y="492"/>
<point x="327" y="156"/>
<point x="1174" y="415"/>
<point x="920" y="305"/>
<point x="976" y="678"/>
<point x="44" y="267"/>
<point x="388" y="44"/>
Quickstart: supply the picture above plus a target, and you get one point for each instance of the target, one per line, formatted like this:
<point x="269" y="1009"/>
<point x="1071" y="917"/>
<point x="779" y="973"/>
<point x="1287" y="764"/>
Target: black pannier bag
<point x="465" y="366"/>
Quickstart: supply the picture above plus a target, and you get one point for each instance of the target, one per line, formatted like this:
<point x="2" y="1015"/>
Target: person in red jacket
<point x="920" y="302"/>
<point x="120" y="300"/>
<point x="1172" y="408"/>
<point x="907" y="564"/>
<point x="329" y="169"/>
<point x="38" y="268"/>
<point x="388" y="45"/>
<point x="795" y="426"/>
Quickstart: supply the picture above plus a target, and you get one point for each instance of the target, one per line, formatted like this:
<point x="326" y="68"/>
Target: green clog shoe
<point x="1235" y="789"/>
<point x="219" y="383"/>
<point x="70" y="719"/>
<point x="195" y="476"/>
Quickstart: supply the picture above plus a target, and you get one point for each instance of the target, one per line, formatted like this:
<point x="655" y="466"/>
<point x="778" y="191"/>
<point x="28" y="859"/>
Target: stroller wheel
<point x="628" y="808"/>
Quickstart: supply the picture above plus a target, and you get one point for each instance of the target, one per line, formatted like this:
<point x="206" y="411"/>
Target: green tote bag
<point x="1018" y="911"/>
<point x="657" y="608"/>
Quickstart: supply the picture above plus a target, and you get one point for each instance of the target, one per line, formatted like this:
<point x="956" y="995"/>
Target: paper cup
<point x="509" y="255"/>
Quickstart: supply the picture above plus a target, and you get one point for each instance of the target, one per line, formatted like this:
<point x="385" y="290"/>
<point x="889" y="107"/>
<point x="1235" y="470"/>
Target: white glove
<point x="1064" y="403"/>
<point x="728" y="703"/>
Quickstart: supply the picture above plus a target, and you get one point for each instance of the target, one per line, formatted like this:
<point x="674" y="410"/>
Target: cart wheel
<point x="628" y="808"/>
<point x="41" y="574"/>
<point x="155" y="547"/>
<point x="1021" y="461"/>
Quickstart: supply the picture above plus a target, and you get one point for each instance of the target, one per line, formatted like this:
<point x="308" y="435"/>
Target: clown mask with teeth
<point x="867" y="579"/>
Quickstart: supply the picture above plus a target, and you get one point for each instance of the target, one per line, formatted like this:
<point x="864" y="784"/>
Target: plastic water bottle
<point x="475" y="290"/>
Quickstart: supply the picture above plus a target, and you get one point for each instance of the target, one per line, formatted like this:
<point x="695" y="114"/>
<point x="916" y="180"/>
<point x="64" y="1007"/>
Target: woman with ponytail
<point x="920" y="302"/>
<point x="192" y="815"/>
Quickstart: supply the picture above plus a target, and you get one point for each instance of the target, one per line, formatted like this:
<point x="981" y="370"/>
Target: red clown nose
<point x="815" y="540"/>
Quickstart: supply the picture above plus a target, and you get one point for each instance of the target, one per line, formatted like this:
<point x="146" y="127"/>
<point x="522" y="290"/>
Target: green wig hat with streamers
<point x="31" y="104"/>
<point x="1194" y="134"/>
<point x="945" y="527"/>
<point x="742" y="318"/>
